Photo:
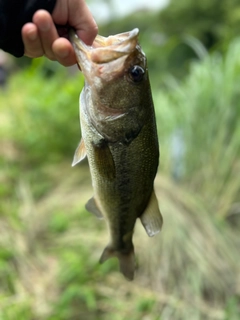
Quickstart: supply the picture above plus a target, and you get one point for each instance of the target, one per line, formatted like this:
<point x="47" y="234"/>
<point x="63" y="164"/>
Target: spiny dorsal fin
<point x="92" y="207"/>
<point x="151" y="218"/>
<point x="80" y="153"/>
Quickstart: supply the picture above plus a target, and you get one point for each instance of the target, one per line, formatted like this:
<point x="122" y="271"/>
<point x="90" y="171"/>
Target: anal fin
<point x="80" y="153"/>
<point x="151" y="218"/>
<point x="92" y="207"/>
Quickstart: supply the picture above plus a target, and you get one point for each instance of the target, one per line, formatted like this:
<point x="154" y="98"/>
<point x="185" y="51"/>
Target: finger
<point x="31" y="40"/>
<point x="87" y="33"/>
<point x="82" y="20"/>
<point x="64" y="52"/>
<point x="47" y="31"/>
<point x="77" y="15"/>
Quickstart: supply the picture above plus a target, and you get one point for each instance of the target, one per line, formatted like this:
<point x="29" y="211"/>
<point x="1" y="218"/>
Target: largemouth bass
<point x="119" y="138"/>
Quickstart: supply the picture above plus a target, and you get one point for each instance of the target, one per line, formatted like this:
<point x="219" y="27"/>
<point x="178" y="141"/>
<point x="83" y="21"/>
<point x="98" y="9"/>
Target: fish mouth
<point x="106" y="57"/>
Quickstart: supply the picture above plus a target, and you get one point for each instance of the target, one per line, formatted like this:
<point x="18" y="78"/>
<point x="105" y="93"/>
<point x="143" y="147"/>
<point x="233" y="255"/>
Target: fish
<point x="119" y="138"/>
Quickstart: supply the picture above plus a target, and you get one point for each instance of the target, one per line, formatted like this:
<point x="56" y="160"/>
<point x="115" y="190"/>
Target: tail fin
<point x="126" y="261"/>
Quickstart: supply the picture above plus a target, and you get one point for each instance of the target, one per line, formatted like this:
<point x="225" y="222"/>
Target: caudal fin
<point x="126" y="261"/>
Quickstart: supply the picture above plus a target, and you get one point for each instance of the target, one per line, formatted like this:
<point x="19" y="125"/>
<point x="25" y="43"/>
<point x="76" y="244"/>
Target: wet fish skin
<point x="119" y="138"/>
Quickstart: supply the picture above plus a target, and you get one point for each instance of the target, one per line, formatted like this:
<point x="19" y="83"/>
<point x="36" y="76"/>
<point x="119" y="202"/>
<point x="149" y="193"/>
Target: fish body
<point x="119" y="138"/>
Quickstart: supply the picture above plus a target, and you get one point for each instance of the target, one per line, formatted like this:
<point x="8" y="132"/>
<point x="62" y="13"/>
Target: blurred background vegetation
<point x="49" y="244"/>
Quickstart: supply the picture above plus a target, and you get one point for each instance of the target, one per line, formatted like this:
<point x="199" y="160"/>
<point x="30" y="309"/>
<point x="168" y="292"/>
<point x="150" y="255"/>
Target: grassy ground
<point x="49" y="244"/>
<point x="50" y="248"/>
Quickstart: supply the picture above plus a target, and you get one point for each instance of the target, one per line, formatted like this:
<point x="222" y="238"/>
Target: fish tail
<point x="126" y="260"/>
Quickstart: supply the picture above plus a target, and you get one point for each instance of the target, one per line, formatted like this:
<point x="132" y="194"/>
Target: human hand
<point x="41" y="36"/>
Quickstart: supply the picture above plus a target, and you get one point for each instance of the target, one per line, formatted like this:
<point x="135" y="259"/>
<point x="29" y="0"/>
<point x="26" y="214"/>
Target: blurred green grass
<point x="49" y="244"/>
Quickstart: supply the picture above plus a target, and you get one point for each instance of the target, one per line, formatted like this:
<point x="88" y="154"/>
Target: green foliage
<point x="232" y="309"/>
<point x="40" y="110"/>
<point x="58" y="222"/>
<point x="207" y="113"/>
<point x="203" y="20"/>
<point x="16" y="311"/>
<point x="209" y="21"/>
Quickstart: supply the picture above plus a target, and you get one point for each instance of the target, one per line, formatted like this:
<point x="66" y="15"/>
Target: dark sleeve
<point x="13" y="15"/>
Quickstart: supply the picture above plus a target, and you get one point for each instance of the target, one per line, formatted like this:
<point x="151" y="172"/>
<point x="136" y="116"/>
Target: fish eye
<point x="136" y="73"/>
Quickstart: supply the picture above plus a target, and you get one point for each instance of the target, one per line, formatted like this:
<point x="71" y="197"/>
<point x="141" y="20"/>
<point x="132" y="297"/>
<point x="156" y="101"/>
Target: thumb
<point x="82" y="20"/>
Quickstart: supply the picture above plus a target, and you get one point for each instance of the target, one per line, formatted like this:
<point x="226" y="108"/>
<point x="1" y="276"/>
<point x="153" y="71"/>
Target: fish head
<point x="117" y="91"/>
<point x="113" y="67"/>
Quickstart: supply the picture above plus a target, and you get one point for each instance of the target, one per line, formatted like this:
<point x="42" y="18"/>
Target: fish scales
<point x="119" y="138"/>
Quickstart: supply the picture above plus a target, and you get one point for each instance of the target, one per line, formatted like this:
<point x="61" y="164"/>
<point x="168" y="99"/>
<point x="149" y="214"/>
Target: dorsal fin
<point x="151" y="218"/>
<point x="80" y="153"/>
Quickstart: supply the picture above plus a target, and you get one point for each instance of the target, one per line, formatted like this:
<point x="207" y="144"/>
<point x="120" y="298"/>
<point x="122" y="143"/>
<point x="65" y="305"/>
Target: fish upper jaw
<point x="105" y="58"/>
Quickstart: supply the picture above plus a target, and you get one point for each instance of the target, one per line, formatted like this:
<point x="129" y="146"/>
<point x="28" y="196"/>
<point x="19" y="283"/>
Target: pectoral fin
<point x="104" y="161"/>
<point x="80" y="153"/>
<point x="151" y="218"/>
<point x="92" y="207"/>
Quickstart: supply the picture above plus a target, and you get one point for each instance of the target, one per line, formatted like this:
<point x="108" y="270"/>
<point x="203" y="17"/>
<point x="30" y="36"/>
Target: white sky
<point x="102" y="11"/>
